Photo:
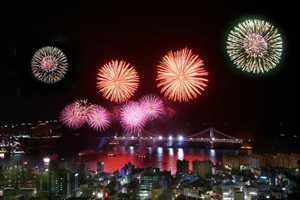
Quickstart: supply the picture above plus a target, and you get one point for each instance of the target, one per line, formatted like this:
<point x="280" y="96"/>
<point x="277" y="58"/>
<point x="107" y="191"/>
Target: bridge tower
<point x="211" y="137"/>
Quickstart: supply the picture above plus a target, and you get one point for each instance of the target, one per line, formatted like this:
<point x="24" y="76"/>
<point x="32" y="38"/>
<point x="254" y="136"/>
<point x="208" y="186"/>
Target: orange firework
<point x="181" y="76"/>
<point x="117" y="81"/>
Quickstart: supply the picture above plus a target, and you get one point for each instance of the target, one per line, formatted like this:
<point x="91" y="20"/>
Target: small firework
<point x="181" y="76"/>
<point x="153" y="104"/>
<point x="75" y="114"/>
<point x="72" y="116"/>
<point x="84" y="106"/>
<point x="98" y="118"/>
<point x="133" y="117"/>
<point x="117" y="81"/>
<point x="254" y="46"/>
<point x="49" y="64"/>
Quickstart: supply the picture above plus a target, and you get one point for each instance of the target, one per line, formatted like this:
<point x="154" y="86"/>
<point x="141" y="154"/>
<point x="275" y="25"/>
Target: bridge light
<point x="213" y="139"/>
<point x="160" y="137"/>
<point x="132" y="137"/>
<point x="180" y="138"/>
<point x="170" y="138"/>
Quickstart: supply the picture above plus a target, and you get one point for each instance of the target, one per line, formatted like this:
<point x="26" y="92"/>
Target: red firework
<point x="117" y="81"/>
<point x="181" y="75"/>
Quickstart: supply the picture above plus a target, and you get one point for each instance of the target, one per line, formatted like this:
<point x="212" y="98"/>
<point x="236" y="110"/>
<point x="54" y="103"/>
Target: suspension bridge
<point x="209" y="138"/>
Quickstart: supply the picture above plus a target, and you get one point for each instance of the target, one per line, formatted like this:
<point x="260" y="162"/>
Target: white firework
<point x="49" y="64"/>
<point x="255" y="46"/>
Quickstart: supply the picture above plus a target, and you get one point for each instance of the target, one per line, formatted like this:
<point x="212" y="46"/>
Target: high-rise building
<point x="82" y="171"/>
<point x="100" y="167"/>
<point x="203" y="168"/>
<point x="63" y="183"/>
<point x="182" y="167"/>
<point x="153" y="178"/>
<point x="43" y="185"/>
<point x="19" y="171"/>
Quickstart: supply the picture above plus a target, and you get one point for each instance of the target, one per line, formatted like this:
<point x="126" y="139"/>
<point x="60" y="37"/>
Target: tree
<point x="181" y="197"/>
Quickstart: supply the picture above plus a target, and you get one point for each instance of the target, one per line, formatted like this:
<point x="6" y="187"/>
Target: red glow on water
<point x="164" y="159"/>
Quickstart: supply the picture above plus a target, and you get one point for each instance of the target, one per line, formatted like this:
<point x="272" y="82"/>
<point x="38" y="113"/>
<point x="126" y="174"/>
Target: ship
<point x="141" y="156"/>
<point x="87" y="152"/>
<point x="110" y="155"/>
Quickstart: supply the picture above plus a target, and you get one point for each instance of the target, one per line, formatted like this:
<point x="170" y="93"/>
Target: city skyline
<point x="92" y="34"/>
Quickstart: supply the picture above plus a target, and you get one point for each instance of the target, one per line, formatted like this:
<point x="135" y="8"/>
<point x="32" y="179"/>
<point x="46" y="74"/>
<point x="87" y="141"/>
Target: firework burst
<point x="254" y="46"/>
<point x="49" y="64"/>
<point x="133" y="117"/>
<point x="75" y="114"/>
<point x="117" y="81"/>
<point x="98" y="118"/>
<point x="153" y="105"/>
<point x="181" y="75"/>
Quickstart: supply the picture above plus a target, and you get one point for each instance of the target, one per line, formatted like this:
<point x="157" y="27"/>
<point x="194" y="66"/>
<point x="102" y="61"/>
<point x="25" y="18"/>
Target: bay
<point x="115" y="158"/>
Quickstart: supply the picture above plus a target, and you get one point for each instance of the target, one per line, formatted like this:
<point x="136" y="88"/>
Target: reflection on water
<point x="163" y="158"/>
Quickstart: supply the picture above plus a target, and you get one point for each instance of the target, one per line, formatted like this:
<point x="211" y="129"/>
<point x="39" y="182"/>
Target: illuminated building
<point x="100" y="167"/>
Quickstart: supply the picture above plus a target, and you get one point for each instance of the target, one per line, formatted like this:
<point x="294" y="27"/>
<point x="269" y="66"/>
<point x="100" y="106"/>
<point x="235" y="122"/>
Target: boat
<point x="87" y="152"/>
<point x="247" y="145"/>
<point x="141" y="156"/>
<point x="110" y="155"/>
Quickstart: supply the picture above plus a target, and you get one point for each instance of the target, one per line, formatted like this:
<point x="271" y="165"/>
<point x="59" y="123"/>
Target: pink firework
<point x="153" y="105"/>
<point x="181" y="75"/>
<point x="84" y="106"/>
<point x="98" y="118"/>
<point x="75" y="114"/>
<point x="117" y="81"/>
<point x="133" y="117"/>
<point x="72" y="116"/>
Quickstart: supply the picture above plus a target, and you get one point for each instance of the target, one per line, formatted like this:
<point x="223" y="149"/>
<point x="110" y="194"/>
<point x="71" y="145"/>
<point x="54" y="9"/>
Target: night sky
<point x="91" y="34"/>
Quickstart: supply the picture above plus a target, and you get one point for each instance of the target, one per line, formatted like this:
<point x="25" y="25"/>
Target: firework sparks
<point x="117" y="81"/>
<point x="181" y="76"/>
<point x="98" y="118"/>
<point x="254" y="46"/>
<point x="153" y="104"/>
<point x="133" y="117"/>
<point x="75" y="114"/>
<point x="49" y="64"/>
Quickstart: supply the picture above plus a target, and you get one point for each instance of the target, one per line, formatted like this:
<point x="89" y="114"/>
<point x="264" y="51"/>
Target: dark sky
<point x="91" y="34"/>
